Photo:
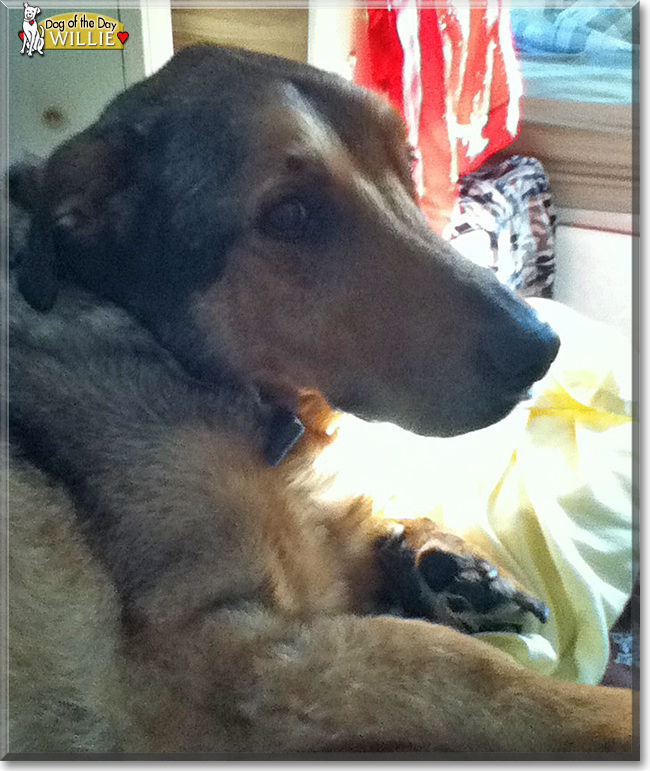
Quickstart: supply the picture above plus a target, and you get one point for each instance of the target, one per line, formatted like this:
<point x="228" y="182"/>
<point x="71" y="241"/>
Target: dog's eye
<point x="288" y="219"/>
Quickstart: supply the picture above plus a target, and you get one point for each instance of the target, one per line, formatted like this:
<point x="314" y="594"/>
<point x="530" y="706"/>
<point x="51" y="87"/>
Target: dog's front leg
<point x="414" y="567"/>
<point x="248" y="680"/>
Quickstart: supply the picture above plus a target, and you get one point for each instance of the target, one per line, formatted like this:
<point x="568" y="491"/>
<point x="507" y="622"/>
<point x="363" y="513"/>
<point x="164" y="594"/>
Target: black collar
<point x="284" y="430"/>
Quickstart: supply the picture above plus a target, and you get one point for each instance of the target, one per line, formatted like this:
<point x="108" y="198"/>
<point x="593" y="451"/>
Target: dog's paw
<point x="458" y="590"/>
<point x="468" y="593"/>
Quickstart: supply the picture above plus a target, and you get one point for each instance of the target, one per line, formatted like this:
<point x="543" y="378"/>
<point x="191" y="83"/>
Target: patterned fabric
<point x="598" y="33"/>
<point x="626" y="652"/>
<point x="451" y="71"/>
<point x="509" y="205"/>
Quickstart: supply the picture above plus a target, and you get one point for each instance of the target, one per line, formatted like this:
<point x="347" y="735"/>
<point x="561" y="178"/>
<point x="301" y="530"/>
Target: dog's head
<point x="259" y="217"/>
<point x="31" y="12"/>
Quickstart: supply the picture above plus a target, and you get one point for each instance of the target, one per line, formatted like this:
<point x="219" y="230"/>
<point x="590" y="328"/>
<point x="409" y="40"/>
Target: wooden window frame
<point x="589" y="152"/>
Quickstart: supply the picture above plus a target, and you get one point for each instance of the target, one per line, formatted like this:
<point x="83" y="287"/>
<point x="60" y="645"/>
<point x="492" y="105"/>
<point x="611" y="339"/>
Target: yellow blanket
<point x="547" y="493"/>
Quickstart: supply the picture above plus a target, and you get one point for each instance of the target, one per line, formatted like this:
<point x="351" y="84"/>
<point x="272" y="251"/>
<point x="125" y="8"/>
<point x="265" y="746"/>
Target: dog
<point x="235" y="237"/>
<point x="33" y="33"/>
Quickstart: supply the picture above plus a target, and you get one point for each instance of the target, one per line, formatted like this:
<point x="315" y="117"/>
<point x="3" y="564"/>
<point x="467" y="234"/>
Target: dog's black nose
<point x="520" y="348"/>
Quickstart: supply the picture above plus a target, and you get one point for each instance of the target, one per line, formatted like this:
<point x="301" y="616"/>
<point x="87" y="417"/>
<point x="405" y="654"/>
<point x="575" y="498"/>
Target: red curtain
<point x="451" y="71"/>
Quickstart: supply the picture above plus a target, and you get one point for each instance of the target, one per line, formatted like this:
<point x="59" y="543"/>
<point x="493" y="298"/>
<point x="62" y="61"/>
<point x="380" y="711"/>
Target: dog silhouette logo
<point x="32" y="33"/>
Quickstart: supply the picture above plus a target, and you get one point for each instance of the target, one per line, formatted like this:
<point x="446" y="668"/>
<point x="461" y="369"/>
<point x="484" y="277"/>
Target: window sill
<point x="610" y="222"/>
<point x="587" y="151"/>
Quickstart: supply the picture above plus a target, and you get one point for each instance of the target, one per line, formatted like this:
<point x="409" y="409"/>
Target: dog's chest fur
<point x="96" y="402"/>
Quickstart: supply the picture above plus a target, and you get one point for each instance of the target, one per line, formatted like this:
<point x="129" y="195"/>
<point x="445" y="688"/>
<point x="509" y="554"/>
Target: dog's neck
<point x="283" y="428"/>
<point x="279" y="425"/>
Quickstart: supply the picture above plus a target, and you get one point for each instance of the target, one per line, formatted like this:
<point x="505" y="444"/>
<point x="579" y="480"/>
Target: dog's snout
<point x="520" y="348"/>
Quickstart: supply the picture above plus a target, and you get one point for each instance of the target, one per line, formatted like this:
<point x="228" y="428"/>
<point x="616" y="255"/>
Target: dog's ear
<point x="25" y="179"/>
<point x="37" y="267"/>
<point x="83" y="177"/>
<point x="37" y="279"/>
<point x="70" y="201"/>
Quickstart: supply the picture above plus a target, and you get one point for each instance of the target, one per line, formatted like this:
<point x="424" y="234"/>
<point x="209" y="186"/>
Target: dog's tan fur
<point x="255" y="640"/>
<point x="298" y="672"/>
<point x="63" y="626"/>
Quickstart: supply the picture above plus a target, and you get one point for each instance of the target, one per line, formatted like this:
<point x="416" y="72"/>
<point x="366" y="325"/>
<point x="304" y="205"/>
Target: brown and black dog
<point x="234" y="232"/>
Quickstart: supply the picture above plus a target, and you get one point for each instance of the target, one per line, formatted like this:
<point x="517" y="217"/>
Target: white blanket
<point x="547" y="493"/>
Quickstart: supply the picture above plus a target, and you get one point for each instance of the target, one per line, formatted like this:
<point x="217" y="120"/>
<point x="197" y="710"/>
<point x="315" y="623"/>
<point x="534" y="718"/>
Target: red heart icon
<point x="122" y="36"/>
<point x="21" y="35"/>
<point x="30" y="23"/>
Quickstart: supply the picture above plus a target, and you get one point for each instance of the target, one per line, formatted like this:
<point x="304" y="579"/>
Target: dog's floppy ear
<point x="37" y="267"/>
<point x="25" y="179"/>
<point x="69" y="199"/>
<point x="37" y="278"/>
<point x="82" y="177"/>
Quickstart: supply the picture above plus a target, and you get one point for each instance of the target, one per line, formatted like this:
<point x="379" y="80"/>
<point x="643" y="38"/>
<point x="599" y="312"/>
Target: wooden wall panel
<point x="280" y="31"/>
<point x="587" y="151"/>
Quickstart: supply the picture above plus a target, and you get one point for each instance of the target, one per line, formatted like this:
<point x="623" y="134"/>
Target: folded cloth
<point x="504" y="219"/>
<point x="561" y="512"/>
<point x="545" y="493"/>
